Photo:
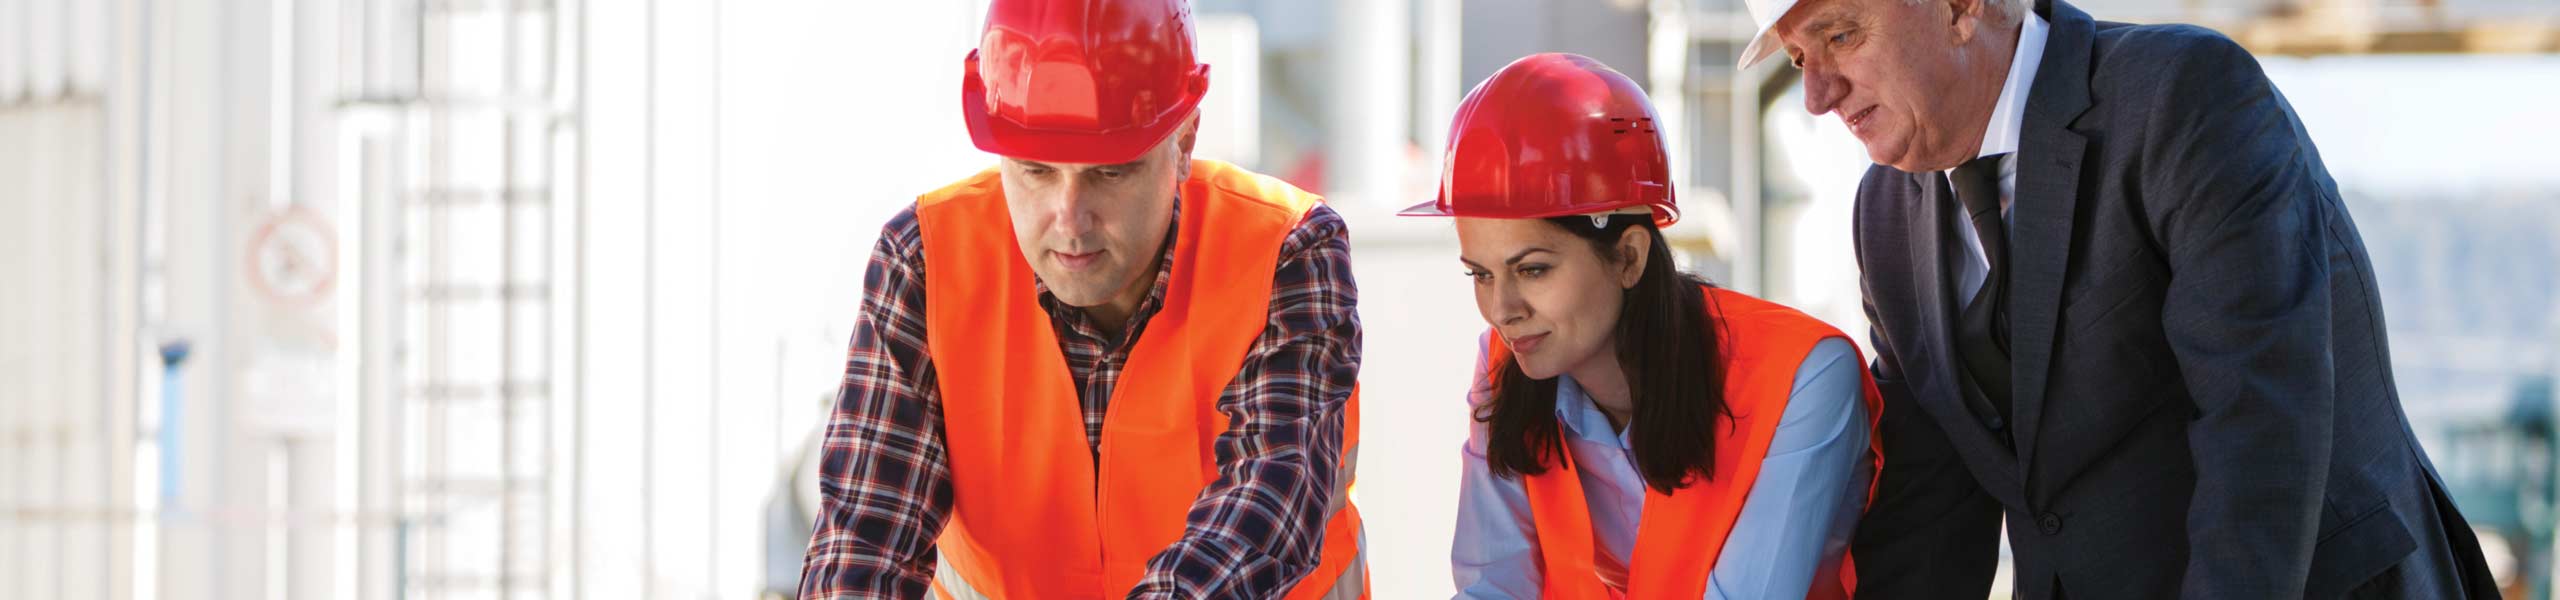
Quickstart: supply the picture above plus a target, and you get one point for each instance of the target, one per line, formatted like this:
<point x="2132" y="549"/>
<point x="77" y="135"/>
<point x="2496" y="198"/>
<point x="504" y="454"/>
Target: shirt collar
<point x="1582" y="418"/>
<point x="2009" y="115"/>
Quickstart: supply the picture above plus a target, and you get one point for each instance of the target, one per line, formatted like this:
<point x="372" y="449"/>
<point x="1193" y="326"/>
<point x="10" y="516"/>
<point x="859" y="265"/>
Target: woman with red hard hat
<point x="1637" y="432"/>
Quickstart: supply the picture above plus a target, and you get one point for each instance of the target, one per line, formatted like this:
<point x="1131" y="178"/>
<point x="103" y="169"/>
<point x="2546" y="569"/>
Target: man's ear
<point x="1634" y="245"/>
<point x="1183" y="140"/>
<point x="1189" y="135"/>
<point x="1965" y="16"/>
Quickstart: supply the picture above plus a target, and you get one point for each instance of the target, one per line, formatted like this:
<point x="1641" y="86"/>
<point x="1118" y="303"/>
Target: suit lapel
<point x="1931" y="373"/>
<point x="2048" y="178"/>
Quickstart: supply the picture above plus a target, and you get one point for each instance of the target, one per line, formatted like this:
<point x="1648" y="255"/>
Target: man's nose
<point x="1821" y="89"/>
<point x="1074" y="209"/>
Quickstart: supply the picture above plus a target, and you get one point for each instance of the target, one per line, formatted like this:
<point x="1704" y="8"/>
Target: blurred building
<point x="546" y="298"/>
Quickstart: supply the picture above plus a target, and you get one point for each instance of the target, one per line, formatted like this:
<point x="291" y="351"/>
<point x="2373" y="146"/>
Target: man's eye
<point x="1839" y="38"/>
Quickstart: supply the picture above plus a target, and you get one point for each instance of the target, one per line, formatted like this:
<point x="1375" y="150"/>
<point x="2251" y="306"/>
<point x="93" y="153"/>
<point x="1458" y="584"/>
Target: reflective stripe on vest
<point x="1679" y="536"/>
<point x="1035" y="511"/>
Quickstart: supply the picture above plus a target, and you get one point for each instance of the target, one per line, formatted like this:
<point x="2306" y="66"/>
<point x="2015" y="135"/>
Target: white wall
<point x="53" y="213"/>
<point x="67" y="251"/>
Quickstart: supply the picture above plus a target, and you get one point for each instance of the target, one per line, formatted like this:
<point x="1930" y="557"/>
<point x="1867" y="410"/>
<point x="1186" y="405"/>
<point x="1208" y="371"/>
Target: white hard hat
<point x="1765" y="14"/>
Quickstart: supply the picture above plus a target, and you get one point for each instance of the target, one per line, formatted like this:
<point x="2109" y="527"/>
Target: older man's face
<point x="1906" y="78"/>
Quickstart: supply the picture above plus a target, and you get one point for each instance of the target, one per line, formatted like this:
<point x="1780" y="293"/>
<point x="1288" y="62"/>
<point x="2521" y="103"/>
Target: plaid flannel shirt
<point x="1257" y="529"/>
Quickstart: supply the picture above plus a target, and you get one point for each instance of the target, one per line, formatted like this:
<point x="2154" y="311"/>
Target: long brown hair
<point x="1673" y="376"/>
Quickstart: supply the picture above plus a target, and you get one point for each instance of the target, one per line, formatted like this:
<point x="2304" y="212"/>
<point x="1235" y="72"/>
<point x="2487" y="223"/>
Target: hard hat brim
<point x="1663" y="215"/>
<point x="1426" y="209"/>
<point x="1762" y="45"/>
<point x="1005" y="138"/>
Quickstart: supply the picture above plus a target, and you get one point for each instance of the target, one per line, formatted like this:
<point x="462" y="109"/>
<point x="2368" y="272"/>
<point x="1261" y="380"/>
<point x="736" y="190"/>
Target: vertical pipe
<point x="219" y="360"/>
<point x="1439" y="83"/>
<point x="648" y="303"/>
<point x="1367" y="129"/>
<point x="147" y="314"/>
<point x="713" y="487"/>
<point x="119" y="296"/>
<point x="578" y="335"/>
<point x="551" y="292"/>
<point x="281" y="125"/>
<point x="505" y="392"/>
<point x="1667" y="63"/>
<point x="276" y="516"/>
<point x="504" y="197"/>
<point x="552" y="284"/>
<point x="1748" y="255"/>
<point x="435" y="78"/>
<point x="120" y="375"/>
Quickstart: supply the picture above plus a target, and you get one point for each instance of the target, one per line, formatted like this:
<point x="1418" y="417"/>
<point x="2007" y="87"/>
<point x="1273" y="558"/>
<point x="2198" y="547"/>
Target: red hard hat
<point x="1081" y="81"/>
<point x="1554" y="135"/>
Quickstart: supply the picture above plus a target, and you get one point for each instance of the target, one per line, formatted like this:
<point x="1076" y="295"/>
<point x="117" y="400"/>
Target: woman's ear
<point x="1634" y="244"/>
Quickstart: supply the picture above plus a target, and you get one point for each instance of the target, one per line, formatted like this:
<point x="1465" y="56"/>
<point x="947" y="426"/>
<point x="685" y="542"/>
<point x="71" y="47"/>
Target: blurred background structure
<point x="379" y="299"/>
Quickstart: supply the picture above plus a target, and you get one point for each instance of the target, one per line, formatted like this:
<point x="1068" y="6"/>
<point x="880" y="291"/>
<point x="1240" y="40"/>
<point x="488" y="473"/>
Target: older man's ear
<point x="1965" y="17"/>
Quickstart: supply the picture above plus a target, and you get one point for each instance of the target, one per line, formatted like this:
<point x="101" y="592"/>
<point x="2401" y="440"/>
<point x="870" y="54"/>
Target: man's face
<point x="1908" y="79"/>
<point x="1092" y="232"/>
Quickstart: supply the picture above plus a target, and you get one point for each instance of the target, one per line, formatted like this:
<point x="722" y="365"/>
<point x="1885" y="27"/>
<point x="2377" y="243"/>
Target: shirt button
<point x="2049" y="523"/>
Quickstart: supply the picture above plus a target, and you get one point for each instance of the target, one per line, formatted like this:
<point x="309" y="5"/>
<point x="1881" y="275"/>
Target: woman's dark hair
<point x="1673" y="376"/>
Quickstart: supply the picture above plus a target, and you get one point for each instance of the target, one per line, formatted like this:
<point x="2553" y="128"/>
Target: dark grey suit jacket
<point x="2204" y="405"/>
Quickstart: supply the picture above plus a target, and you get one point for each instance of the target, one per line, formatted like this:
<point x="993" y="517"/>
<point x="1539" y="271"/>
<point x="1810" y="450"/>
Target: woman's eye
<point x="1533" y="271"/>
<point x="1480" y="276"/>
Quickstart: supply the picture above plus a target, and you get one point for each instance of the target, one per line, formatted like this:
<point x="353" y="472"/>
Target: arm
<point x="1495" y="553"/>
<point x="1260" y="527"/>
<point x="1930" y="531"/>
<point x="2240" y="208"/>
<point x="1811" y="486"/>
<point x="885" y="481"/>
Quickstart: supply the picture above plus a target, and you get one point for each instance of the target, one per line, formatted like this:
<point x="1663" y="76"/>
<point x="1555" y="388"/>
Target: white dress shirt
<point x="2008" y="120"/>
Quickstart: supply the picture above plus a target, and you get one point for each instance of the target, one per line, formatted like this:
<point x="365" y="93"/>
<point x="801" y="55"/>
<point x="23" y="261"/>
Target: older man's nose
<point x="1821" y="91"/>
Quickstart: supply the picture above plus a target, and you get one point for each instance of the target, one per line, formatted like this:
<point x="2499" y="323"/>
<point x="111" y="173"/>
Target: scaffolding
<point x="466" y="135"/>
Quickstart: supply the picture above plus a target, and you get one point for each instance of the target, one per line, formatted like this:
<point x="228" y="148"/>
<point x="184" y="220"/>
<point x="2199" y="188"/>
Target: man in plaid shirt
<point x="1096" y="246"/>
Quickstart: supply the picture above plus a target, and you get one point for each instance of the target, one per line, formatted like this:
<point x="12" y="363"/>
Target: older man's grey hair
<point x="2003" y="12"/>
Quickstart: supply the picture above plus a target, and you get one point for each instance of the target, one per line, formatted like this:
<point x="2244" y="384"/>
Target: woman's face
<point x="1551" y="295"/>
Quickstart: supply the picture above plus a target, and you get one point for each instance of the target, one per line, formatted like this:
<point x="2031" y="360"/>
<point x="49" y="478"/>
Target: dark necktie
<point x="1982" y="331"/>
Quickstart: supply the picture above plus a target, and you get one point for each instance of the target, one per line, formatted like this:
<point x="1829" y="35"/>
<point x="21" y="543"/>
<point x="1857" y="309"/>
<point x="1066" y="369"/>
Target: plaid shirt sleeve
<point x="885" y="479"/>
<point x="1259" y="528"/>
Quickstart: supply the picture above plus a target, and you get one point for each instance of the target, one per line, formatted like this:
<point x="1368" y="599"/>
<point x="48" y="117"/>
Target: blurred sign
<point x="288" y="393"/>
<point x="293" y="258"/>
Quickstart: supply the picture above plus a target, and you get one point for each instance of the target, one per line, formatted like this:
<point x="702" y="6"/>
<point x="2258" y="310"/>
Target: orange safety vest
<point x="1031" y="516"/>
<point x="1680" y="535"/>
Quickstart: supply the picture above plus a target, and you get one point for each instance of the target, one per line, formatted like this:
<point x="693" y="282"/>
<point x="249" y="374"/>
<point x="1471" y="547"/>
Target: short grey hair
<point x="2011" y="12"/>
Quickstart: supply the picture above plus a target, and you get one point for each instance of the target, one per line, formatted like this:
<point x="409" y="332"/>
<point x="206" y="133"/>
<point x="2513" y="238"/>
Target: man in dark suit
<point x="2117" y="301"/>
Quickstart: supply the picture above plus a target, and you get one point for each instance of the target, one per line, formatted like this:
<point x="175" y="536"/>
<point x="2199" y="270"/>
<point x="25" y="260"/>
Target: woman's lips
<point x="1524" y="345"/>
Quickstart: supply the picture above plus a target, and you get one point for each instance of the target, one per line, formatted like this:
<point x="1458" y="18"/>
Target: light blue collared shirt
<point x="1797" y="519"/>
